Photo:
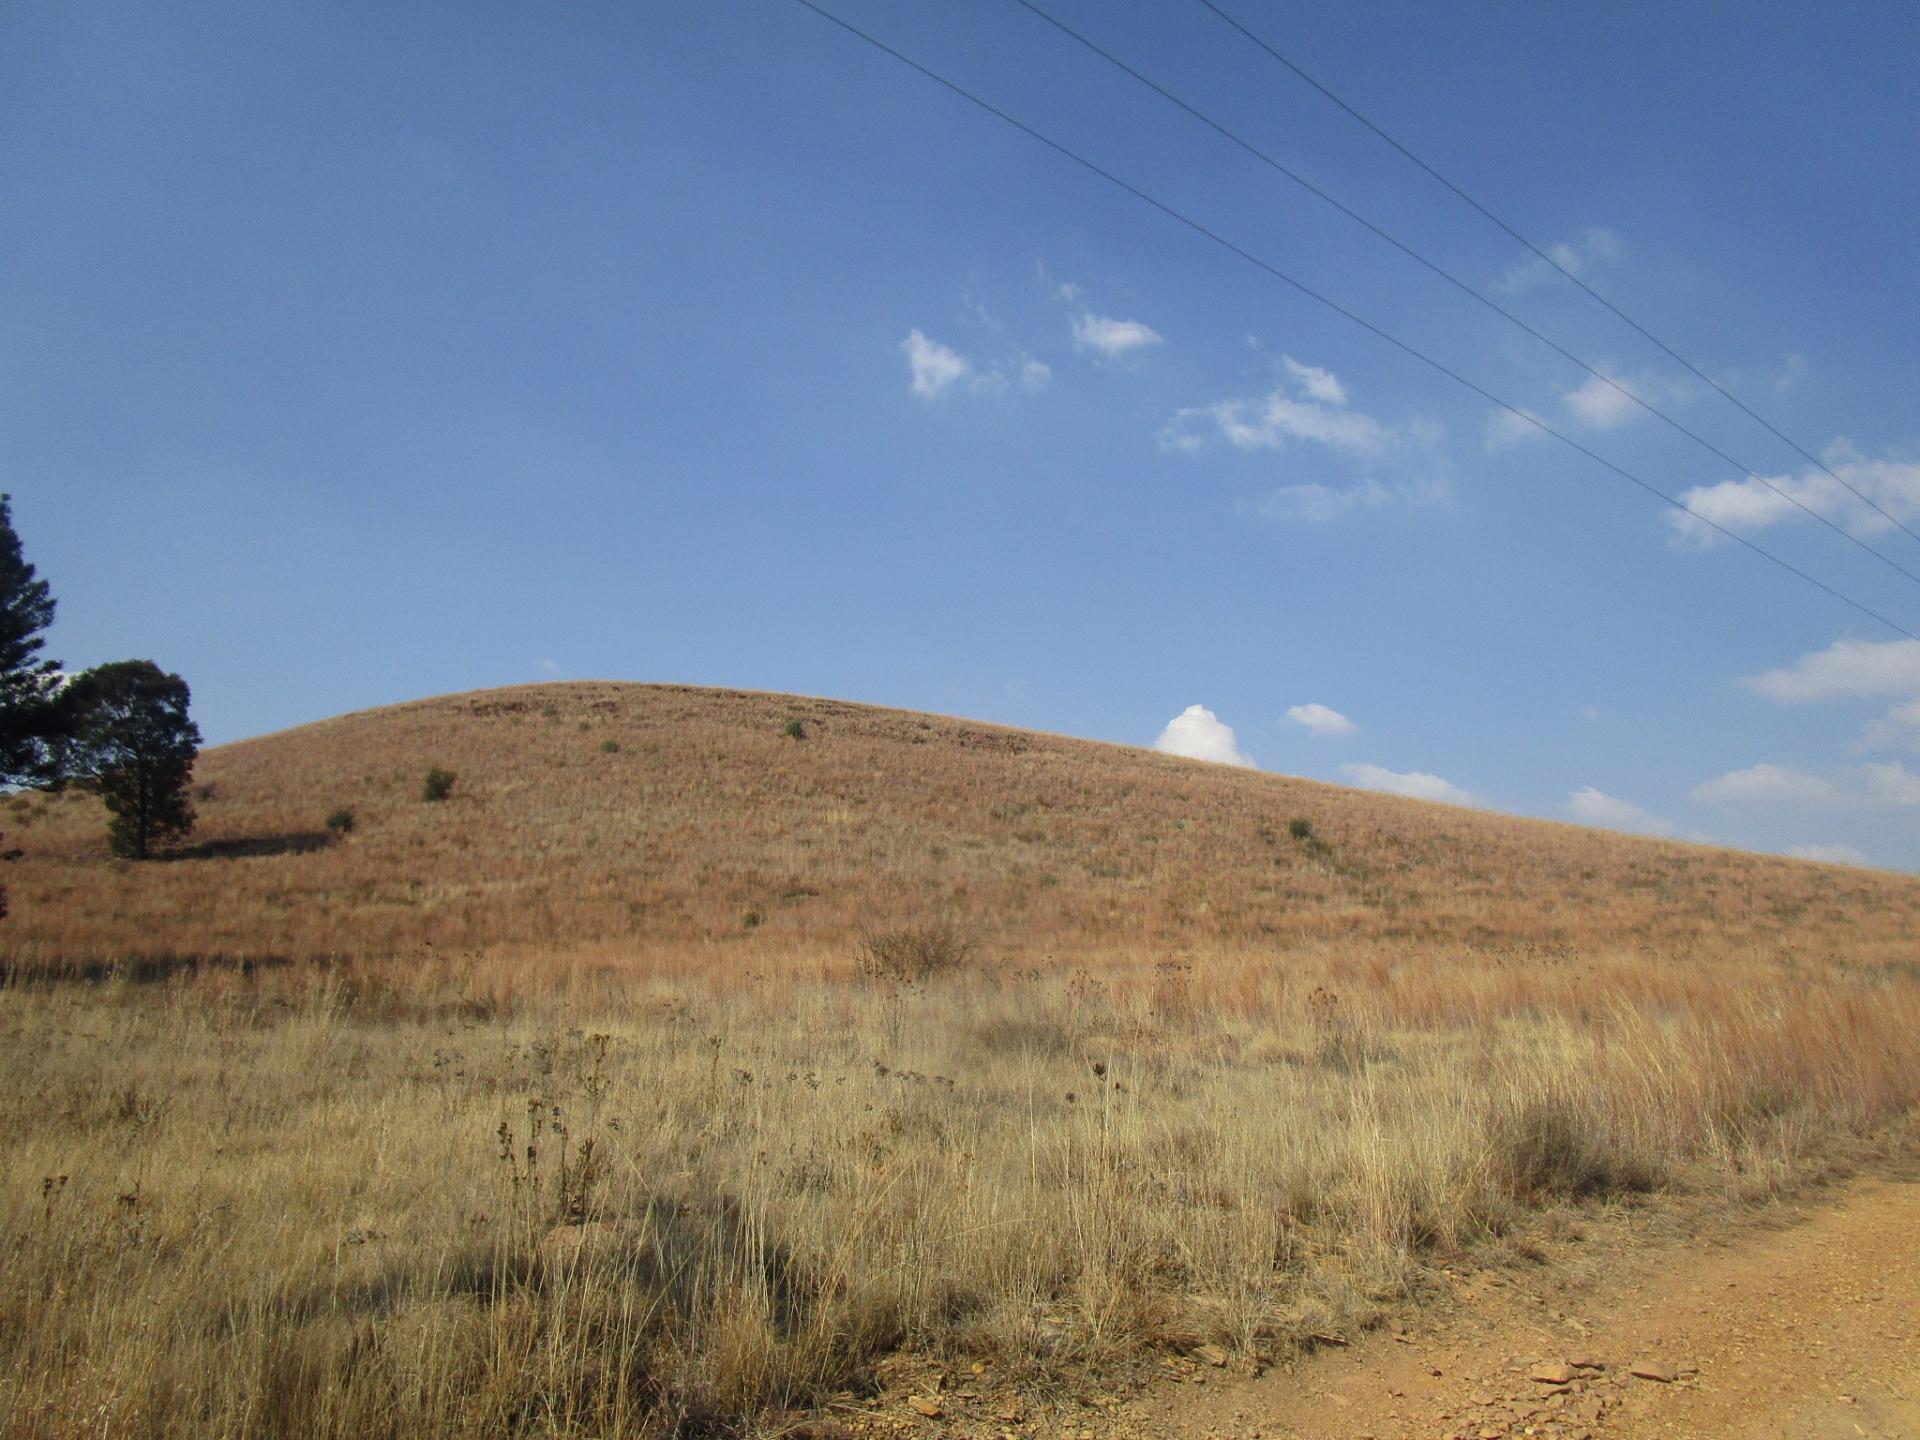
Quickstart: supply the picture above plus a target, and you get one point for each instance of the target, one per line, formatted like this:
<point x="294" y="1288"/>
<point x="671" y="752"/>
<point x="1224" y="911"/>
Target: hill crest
<point x="596" y="821"/>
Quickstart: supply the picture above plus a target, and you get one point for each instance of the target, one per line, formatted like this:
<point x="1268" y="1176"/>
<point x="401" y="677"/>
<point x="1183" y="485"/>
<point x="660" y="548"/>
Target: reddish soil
<point x="1806" y="1323"/>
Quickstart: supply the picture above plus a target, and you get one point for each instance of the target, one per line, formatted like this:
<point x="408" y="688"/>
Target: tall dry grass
<point x="447" y="1199"/>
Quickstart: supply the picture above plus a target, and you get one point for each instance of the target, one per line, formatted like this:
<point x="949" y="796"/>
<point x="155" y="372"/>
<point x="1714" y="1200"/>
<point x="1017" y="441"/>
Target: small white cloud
<point x="1321" y="385"/>
<point x="1891" y="784"/>
<point x="1035" y="375"/>
<point x="1327" y="723"/>
<point x="1892" y="484"/>
<point x="1311" y="406"/>
<point x="1414" y="784"/>
<point x="548" y="668"/>
<point x="1595" y="807"/>
<point x="1606" y="403"/>
<point x="1111" y="338"/>
<point x="1768" y="785"/>
<point x="1828" y="854"/>
<point x="935" y="367"/>
<point x="1845" y="668"/>
<point x="1506" y="428"/>
<point x="1530" y="270"/>
<point x="1269" y="422"/>
<point x="1199" y="734"/>
<point x="1317" y="504"/>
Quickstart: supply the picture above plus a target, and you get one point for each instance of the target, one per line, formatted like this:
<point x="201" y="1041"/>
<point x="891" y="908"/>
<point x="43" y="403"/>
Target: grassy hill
<point x="597" y="822"/>
<point x="601" y="1127"/>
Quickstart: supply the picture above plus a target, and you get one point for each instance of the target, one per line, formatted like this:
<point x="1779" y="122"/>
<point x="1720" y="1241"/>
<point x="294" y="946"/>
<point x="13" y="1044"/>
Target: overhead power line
<point x="1461" y="285"/>
<point x="1593" y="294"/>
<point x="1316" y="296"/>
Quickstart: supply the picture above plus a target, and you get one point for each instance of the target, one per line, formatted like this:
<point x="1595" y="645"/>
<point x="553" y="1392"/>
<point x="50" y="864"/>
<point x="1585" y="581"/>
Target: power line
<point x="1257" y="262"/>
<point x="1593" y="294"/>
<point x="1462" y="286"/>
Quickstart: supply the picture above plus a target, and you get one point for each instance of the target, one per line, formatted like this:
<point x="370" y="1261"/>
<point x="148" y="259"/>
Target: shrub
<point x="439" y="784"/>
<point x="340" y="822"/>
<point x="1300" y="828"/>
<point x="795" y="730"/>
<point x="609" y="747"/>
<point x="911" y="953"/>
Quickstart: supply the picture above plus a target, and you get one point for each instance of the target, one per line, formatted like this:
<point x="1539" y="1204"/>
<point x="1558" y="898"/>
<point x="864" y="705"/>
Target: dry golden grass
<point x="297" y="1205"/>
<point x="1142" y="1071"/>
<point x="709" y="833"/>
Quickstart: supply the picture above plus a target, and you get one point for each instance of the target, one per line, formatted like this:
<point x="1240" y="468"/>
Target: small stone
<point x="1212" y="1354"/>
<point x="1654" y="1370"/>
<point x="1559" y="1372"/>
<point x="1584" y="1362"/>
<point x="926" y="1406"/>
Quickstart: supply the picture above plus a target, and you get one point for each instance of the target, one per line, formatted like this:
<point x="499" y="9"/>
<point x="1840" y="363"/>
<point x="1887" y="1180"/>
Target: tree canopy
<point x="36" y="716"/>
<point x="137" y="746"/>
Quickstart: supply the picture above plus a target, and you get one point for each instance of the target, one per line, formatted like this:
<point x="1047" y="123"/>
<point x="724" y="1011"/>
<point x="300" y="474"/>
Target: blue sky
<point x="355" y="353"/>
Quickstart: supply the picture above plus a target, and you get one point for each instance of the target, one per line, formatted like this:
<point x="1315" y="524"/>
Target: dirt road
<point x="1807" y="1325"/>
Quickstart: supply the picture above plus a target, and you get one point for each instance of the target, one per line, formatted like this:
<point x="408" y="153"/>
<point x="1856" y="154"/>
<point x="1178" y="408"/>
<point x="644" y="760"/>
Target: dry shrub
<point x="915" y="954"/>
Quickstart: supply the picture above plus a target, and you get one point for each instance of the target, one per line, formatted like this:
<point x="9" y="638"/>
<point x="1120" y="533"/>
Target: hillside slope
<point x="600" y="821"/>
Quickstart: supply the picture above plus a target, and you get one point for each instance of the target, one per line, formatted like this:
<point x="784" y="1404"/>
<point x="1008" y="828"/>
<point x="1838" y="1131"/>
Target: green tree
<point x="36" y="715"/>
<point x="136" y="748"/>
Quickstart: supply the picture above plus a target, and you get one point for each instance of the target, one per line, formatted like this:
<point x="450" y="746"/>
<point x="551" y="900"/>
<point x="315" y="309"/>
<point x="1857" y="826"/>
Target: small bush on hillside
<point x="1300" y="828"/>
<point x="340" y="822"/>
<point x="439" y="784"/>
<point x="912" y="953"/>
<point x="795" y="730"/>
<point x="609" y="747"/>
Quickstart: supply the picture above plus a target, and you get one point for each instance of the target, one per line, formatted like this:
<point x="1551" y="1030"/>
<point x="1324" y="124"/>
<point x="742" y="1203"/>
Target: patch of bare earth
<point x="1803" y="1323"/>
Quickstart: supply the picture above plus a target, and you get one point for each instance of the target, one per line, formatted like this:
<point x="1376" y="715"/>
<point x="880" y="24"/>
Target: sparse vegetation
<point x="438" y="785"/>
<point x="340" y="822"/>
<point x="794" y="730"/>
<point x="1300" y="828"/>
<point x="914" y="954"/>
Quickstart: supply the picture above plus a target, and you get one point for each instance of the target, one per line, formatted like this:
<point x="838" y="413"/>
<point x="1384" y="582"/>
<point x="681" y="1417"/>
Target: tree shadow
<point x="248" y="847"/>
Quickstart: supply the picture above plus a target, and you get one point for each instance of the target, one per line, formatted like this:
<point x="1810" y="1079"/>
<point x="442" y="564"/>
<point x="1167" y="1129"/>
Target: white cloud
<point x="1891" y="784"/>
<point x="1882" y="785"/>
<point x="1606" y="403"/>
<point x="1310" y="406"/>
<point x="548" y="668"/>
<point x="935" y="367"/>
<point x="1575" y="257"/>
<point x="1317" y="504"/>
<point x="1414" y="784"/>
<point x="1828" y="854"/>
<point x="1845" y="668"/>
<point x="1505" y="429"/>
<point x="1035" y="375"/>
<point x="1199" y="734"/>
<point x="1327" y="723"/>
<point x="1111" y="338"/>
<point x="1321" y="385"/>
<point x="1267" y="423"/>
<point x="1768" y="785"/>
<point x="1595" y="807"/>
<point x="1315" y="410"/>
<point x="1891" y="483"/>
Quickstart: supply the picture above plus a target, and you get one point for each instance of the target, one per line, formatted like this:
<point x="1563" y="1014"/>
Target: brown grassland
<point x="675" y="1074"/>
